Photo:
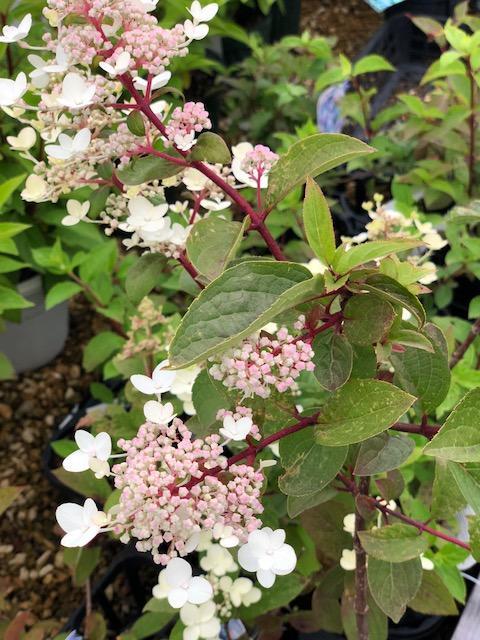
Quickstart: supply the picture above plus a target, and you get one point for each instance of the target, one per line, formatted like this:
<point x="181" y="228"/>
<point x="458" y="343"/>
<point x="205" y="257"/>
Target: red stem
<point x="254" y="449"/>
<point x="421" y="526"/>
<point x="189" y="268"/>
<point x="257" y="222"/>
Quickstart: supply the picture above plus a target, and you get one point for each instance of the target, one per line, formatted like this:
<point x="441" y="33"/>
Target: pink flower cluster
<point x="260" y="363"/>
<point x="173" y="486"/>
<point x="125" y="24"/>
<point x="258" y="161"/>
<point x="186" y="122"/>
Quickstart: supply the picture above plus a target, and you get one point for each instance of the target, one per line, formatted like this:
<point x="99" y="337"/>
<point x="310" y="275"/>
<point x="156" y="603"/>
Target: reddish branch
<point x="257" y="222"/>
<point x="395" y="513"/>
<point x="427" y="430"/>
<point x="462" y="348"/>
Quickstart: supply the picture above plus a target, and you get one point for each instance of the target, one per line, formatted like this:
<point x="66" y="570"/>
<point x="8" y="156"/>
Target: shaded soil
<point x="351" y="22"/>
<point x="32" y="574"/>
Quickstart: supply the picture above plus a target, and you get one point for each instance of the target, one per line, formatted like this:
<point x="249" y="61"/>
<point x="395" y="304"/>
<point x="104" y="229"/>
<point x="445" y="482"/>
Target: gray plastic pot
<point x="41" y="334"/>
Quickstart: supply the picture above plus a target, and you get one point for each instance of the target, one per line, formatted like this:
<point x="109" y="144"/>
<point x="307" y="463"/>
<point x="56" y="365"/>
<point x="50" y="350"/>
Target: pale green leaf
<point x="318" y="222"/>
<point x="60" y="292"/>
<point x="359" y="410"/>
<point x="212" y="244"/>
<point x="100" y="348"/>
<point x="7" y="497"/>
<point x="433" y="597"/>
<point x="240" y="301"/>
<point x="394" y="584"/>
<point x="459" y="437"/>
<point x="368" y="319"/>
<point x="363" y="253"/>
<point x="143" y="276"/>
<point x="147" y="169"/>
<point x="310" y="157"/>
<point x="211" y="148"/>
<point x="333" y="359"/>
<point x="383" y="453"/>
<point x="308" y="466"/>
<point x="393" y="543"/>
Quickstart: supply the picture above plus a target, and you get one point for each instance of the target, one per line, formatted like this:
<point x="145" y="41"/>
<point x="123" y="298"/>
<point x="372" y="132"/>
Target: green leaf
<point x="240" y="301"/>
<point x="208" y="397"/>
<point x="144" y="275"/>
<point x="6" y="190"/>
<point x="64" y="447"/>
<point x="393" y="543"/>
<point x="211" y="148"/>
<point x="368" y="319"/>
<point x="151" y="623"/>
<point x="469" y="484"/>
<point x="60" y="292"/>
<point x="136" y="123"/>
<point x="308" y="466"/>
<point x="394" y="292"/>
<point x="363" y="253"/>
<point x="10" y="299"/>
<point x="393" y="585"/>
<point x="285" y="589"/>
<point x="84" y="483"/>
<point x="459" y="437"/>
<point x="371" y="64"/>
<point x="359" y="410"/>
<point x="147" y="169"/>
<point x="364" y="361"/>
<point x="433" y="597"/>
<point x="424" y="374"/>
<point x="8" y="265"/>
<point x="7" y="497"/>
<point x="298" y="504"/>
<point x="7" y="372"/>
<point x="447" y="500"/>
<point x="318" y="222"/>
<point x="474" y="532"/>
<point x="410" y="338"/>
<point x="212" y="244"/>
<point x="100" y="348"/>
<point x="383" y="453"/>
<point x="95" y="626"/>
<point x="83" y="562"/>
<point x="310" y="157"/>
<point x="333" y="359"/>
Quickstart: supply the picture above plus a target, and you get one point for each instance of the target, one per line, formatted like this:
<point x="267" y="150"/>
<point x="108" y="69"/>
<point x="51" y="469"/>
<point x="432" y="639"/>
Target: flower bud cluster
<point x="258" y="161"/>
<point x="185" y="123"/>
<point x="168" y="494"/>
<point x="263" y="362"/>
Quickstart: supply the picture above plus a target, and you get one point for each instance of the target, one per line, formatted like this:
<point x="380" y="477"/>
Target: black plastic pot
<point x="66" y="429"/>
<point x="432" y="8"/>
<point x="122" y="592"/>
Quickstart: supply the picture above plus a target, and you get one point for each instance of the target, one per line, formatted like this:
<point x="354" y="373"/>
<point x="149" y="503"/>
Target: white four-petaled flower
<point x="200" y="622"/>
<point x="24" y="141"/>
<point x="93" y="453"/>
<point x="81" y="524"/>
<point x="42" y="68"/>
<point x="68" y="147"/>
<point x="160" y="382"/>
<point x="77" y="211"/>
<point x="157" y="82"/>
<point x="14" y="34"/>
<point x="236" y="429"/>
<point x="267" y="554"/>
<point x="76" y="92"/>
<point x="158" y="413"/>
<point x="179" y="586"/>
<point x="12" y="90"/>
<point x="144" y="216"/>
<point x="224" y="534"/>
<point x="120" y="65"/>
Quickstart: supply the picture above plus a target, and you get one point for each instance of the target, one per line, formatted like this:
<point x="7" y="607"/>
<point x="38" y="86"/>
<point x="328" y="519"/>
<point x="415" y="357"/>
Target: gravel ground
<point x="32" y="575"/>
<point x="352" y="22"/>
